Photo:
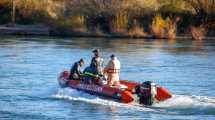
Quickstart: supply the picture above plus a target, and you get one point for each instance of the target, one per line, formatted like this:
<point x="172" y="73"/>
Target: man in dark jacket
<point x="75" y="72"/>
<point x="90" y="74"/>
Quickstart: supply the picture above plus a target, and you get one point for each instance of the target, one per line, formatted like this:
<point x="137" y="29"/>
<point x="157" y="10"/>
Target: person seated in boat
<point x="91" y="75"/>
<point x="113" y="69"/>
<point x="75" y="72"/>
<point x="97" y="61"/>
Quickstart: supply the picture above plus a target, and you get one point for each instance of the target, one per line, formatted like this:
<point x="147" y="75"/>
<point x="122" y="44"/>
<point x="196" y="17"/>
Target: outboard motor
<point x="146" y="92"/>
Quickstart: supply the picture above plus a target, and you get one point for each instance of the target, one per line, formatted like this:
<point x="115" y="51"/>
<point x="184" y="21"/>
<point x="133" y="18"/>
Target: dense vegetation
<point x="162" y="18"/>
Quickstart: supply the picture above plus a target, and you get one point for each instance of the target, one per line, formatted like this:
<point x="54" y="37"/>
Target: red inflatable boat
<point x="145" y="93"/>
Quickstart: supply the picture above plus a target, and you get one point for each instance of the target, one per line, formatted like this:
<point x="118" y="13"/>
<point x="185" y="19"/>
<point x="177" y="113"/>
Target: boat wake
<point x="74" y="95"/>
<point x="177" y="105"/>
<point x="188" y="105"/>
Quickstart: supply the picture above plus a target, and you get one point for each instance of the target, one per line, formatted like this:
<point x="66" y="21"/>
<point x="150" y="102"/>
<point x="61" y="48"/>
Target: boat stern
<point x="127" y="97"/>
<point x="162" y="94"/>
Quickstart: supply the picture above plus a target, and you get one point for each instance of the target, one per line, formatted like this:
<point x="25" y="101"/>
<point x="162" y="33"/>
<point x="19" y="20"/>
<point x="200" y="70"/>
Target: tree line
<point x="162" y="18"/>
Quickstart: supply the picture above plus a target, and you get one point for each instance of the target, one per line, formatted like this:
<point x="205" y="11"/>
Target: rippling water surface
<point x="29" y="67"/>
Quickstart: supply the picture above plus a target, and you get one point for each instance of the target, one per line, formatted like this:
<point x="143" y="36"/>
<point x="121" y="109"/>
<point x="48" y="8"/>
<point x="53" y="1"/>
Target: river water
<point x="29" y="67"/>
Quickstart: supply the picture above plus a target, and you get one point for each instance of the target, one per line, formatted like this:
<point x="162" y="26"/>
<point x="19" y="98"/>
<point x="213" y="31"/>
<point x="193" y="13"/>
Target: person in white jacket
<point x="113" y="69"/>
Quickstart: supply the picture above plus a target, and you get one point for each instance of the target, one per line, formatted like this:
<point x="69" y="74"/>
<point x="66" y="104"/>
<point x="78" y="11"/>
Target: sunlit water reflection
<point x="29" y="67"/>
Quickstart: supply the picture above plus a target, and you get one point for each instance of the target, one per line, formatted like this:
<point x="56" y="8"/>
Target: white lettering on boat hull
<point x="93" y="88"/>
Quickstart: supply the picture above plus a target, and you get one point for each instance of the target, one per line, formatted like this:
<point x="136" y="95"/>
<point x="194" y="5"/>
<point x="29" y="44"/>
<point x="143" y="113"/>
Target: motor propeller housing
<point x="146" y="92"/>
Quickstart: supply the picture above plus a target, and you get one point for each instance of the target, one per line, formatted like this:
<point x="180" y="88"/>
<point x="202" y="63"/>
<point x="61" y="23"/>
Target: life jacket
<point x="91" y="75"/>
<point x="114" y="66"/>
<point x="97" y="61"/>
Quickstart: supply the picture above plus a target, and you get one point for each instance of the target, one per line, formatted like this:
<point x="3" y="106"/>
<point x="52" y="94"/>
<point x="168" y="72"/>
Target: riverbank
<point x="114" y="19"/>
<point x="24" y="30"/>
<point x="42" y="30"/>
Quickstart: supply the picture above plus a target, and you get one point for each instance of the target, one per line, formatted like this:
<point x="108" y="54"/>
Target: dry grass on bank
<point x="114" y="16"/>
<point x="197" y="33"/>
<point x="119" y="24"/>
<point x="163" y="28"/>
<point x="137" y="31"/>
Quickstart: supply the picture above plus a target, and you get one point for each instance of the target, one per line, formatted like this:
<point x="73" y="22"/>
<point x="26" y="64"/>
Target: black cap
<point x="96" y="51"/>
<point x="81" y="60"/>
<point x="112" y="56"/>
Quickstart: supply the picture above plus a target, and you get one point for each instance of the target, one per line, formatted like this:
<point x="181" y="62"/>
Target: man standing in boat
<point x="112" y="69"/>
<point x="75" y="72"/>
<point x="97" y="61"/>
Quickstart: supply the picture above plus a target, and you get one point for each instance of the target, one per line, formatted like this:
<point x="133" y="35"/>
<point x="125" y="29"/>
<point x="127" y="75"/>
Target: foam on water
<point x="74" y="95"/>
<point x="189" y="105"/>
<point x="178" y="104"/>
